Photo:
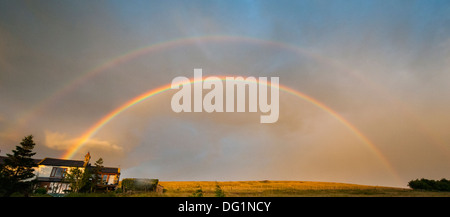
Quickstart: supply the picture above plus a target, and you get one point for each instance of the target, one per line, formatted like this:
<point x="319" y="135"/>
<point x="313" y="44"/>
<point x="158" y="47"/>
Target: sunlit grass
<point x="270" y="189"/>
<point x="287" y="189"/>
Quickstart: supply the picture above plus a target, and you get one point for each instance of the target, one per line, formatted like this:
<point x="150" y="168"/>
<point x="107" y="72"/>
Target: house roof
<point x="68" y="163"/>
<point x="61" y="162"/>
<point x="106" y="169"/>
<point x="109" y="170"/>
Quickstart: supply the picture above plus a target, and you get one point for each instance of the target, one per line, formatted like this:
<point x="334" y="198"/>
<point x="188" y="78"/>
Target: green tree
<point x="96" y="174"/>
<point x="79" y="180"/>
<point x="75" y="177"/>
<point x="17" y="171"/>
<point x="87" y="180"/>
<point x="4" y="180"/>
<point x="430" y="185"/>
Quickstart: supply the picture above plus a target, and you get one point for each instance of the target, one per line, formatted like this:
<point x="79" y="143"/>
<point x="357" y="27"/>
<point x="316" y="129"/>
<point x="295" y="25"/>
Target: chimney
<point x="87" y="157"/>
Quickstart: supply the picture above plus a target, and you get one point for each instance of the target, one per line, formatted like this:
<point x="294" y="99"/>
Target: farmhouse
<point x="50" y="173"/>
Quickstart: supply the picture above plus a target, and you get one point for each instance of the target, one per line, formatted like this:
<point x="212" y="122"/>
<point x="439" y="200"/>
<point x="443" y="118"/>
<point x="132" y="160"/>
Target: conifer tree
<point x="17" y="169"/>
<point x="96" y="171"/>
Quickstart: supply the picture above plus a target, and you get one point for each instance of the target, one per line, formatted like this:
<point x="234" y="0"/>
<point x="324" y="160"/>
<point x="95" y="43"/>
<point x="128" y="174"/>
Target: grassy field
<point x="284" y="189"/>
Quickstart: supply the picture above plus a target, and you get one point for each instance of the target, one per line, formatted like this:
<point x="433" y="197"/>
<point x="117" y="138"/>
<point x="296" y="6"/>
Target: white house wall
<point x="45" y="171"/>
<point x="111" y="179"/>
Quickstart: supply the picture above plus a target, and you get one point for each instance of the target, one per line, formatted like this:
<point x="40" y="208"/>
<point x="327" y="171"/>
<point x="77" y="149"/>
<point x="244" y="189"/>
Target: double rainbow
<point x="146" y="95"/>
<point x="35" y="111"/>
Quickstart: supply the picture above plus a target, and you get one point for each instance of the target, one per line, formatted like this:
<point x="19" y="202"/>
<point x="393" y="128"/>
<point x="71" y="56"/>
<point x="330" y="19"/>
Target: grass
<point x="290" y="189"/>
<point x="270" y="189"/>
<point x="109" y="194"/>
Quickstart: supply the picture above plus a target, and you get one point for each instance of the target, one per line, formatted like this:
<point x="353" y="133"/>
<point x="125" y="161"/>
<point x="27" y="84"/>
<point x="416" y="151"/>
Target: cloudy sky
<point x="383" y="66"/>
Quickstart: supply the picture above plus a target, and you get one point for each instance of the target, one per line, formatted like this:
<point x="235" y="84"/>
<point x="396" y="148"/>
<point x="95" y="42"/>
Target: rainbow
<point x="74" y="84"/>
<point x="36" y="111"/>
<point x="87" y="135"/>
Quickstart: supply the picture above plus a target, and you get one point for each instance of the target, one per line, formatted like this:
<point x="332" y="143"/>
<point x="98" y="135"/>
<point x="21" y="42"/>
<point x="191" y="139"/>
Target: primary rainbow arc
<point x="87" y="135"/>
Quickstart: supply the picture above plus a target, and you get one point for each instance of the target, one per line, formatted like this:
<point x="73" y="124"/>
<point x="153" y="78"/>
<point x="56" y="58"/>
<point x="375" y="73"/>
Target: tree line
<point x="430" y="185"/>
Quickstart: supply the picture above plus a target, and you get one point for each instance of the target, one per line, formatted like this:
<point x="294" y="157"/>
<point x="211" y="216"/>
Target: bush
<point x="219" y="192"/>
<point x="198" y="192"/>
<point x="430" y="185"/>
<point x="139" y="184"/>
<point x="41" y="191"/>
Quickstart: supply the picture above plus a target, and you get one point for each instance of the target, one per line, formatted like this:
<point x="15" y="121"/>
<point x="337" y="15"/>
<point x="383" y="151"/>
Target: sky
<point x="382" y="66"/>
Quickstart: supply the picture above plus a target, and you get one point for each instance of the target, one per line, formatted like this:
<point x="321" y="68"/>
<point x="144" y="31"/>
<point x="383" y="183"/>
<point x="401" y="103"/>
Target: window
<point x="105" y="179"/>
<point x="58" y="172"/>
